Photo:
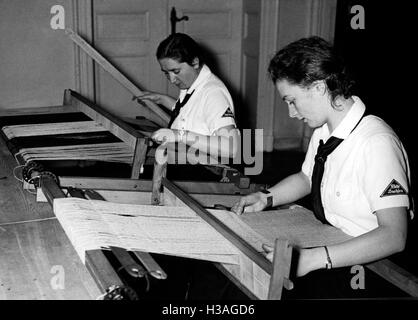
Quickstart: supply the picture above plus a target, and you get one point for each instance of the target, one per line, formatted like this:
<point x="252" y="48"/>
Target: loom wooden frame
<point x="74" y="102"/>
<point x="261" y="286"/>
<point x="206" y="194"/>
<point x="135" y="139"/>
<point x="252" y="261"/>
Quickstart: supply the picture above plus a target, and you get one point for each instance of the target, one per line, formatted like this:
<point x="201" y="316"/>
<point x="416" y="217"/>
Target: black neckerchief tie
<point x="178" y="106"/>
<point x="318" y="171"/>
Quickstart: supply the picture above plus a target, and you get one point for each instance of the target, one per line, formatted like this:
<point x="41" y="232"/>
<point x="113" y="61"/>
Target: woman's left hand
<point x="307" y="258"/>
<point x="165" y="135"/>
<point x="268" y="251"/>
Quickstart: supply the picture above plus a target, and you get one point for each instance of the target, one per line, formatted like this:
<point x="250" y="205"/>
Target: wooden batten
<point x="140" y="154"/>
<point x="112" y="184"/>
<point x="159" y="174"/>
<point x="126" y="197"/>
<point x="248" y="276"/>
<point x="396" y="275"/>
<point x="281" y="263"/>
<point x="37" y="110"/>
<point x="116" y="126"/>
<point x="253" y="273"/>
<point x="117" y="75"/>
<point x="204" y="188"/>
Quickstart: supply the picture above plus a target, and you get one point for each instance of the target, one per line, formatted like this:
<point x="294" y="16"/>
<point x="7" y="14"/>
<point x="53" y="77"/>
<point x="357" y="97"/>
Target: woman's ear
<point x="196" y="63"/>
<point x="320" y="86"/>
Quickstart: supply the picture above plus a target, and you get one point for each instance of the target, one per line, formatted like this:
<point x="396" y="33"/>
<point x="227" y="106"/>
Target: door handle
<point x="174" y="19"/>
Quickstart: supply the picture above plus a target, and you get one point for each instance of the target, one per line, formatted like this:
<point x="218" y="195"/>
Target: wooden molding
<point x="266" y="92"/>
<point x="322" y="23"/>
<point x="83" y="65"/>
<point x="322" y="18"/>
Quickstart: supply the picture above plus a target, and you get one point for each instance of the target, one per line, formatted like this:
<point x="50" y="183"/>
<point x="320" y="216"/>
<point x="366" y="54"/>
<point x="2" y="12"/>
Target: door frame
<point x="322" y="14"/>
<point x="82" y="14"/>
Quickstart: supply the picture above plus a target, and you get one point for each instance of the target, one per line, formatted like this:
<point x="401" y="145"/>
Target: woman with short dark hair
<point x="203" y="115"/>
<point x="180" y="47"/>
<point x="356" y="168"/>
<point x="309" y="60"/>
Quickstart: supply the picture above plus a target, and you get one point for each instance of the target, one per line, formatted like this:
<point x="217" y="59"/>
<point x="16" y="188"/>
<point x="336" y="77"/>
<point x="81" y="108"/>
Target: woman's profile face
<point x="181" y="74"/>
<point x="306" y="104"/>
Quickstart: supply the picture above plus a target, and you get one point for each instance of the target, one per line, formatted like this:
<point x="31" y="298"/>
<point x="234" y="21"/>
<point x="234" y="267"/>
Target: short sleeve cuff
<point x="395" y="201"/>
<point x="223" y="122"/>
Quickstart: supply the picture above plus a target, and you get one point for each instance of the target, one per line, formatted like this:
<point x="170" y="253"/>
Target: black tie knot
<point x="320" y="158"/>
<point x="178" y="106"/>
<point x="325" y="149"/>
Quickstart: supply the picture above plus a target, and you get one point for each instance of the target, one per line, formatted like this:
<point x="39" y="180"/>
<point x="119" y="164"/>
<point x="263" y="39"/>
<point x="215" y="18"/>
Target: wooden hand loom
<point x="255" y="275"/>
<point x="257" y="286"/>
<point x="253" y="272"/>
<point x="228" y="174"/>
<point x="137" y="143"/>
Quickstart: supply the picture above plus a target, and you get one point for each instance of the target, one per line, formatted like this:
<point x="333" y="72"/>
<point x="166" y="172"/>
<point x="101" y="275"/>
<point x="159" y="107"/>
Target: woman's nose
<point x="292" y="111"/>
<point x="171" y="77"/>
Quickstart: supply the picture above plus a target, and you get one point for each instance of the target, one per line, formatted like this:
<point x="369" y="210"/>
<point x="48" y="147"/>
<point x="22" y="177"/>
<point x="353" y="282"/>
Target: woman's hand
<point x="308" y="259"/>
<point x="165" y="135"/>
<point x="251" y="203"/>
<point x="155" y="97"/>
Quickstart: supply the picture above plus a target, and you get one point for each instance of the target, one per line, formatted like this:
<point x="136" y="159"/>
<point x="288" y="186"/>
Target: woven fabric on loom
<point x="298" y="225"/>
<point x="99" y="151"/>
<point x="44" y="129"/>
<point x="94" y="224"/>
<point x="111" y="152"/>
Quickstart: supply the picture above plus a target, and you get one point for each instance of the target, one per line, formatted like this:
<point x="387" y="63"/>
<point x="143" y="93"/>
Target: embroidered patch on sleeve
<point x="228" y="113"/>
<point x="393" y="189"/>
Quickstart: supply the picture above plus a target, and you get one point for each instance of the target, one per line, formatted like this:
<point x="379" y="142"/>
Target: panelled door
<point x="216" y="25"/>
<point x="128" y="32"/>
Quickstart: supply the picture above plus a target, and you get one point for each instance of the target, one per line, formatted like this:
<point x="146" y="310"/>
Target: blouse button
<point x="338" y="193"/>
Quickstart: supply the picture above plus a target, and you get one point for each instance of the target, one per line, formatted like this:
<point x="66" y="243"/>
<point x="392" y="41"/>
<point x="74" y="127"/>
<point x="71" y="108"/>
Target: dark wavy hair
<point x="311" y="59"/>
<point x="180" y="47"/>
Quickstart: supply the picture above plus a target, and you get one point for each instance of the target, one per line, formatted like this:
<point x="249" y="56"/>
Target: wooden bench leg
<point x="140" y="154"/>
<point x="159" y="173"/>
<point x="281" y="268"/>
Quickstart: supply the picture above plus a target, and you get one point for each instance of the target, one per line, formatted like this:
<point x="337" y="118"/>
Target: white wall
<point x="36" y="62"/>
<point x="284" y="21"/>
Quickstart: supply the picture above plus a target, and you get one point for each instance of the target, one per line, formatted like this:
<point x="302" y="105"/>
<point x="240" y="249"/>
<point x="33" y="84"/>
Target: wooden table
<point x="37" y="261"/>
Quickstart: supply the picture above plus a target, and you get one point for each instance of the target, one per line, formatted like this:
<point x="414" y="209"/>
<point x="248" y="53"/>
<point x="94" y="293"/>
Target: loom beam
<point x="116" y="74"/>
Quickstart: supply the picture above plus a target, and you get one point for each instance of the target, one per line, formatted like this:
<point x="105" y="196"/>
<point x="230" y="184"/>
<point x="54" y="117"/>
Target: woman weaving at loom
<point x="203" y="116"/>
<point x="356" y="170"/>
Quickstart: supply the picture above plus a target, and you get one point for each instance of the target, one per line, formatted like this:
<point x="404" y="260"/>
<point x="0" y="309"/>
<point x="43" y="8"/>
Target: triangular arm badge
<point x="393" y="189"/>
<point x="228" y="113"/>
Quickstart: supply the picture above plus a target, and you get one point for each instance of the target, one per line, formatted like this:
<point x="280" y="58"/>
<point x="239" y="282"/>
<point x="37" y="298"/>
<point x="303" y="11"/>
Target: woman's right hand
<point x="251" y="203"/>
<point x="157" y="98"/>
